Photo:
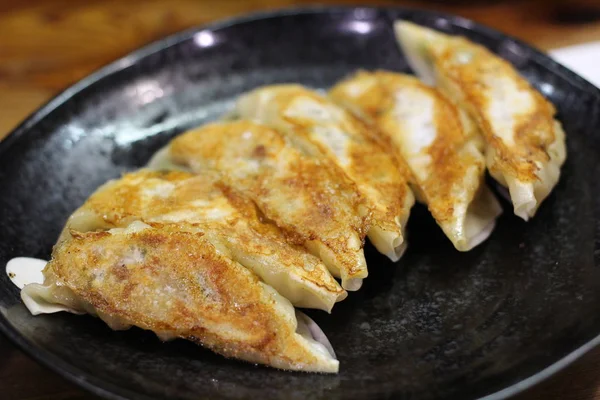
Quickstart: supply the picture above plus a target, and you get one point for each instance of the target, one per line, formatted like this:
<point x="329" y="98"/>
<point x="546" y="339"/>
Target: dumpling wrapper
<point x="322" y="128"/>
<point x="438" y="142"/>
<point x="229" y="222"/>
<point x="177" y="285"/>
<point x="310" y="199"/>
<point x="525" y="145"/>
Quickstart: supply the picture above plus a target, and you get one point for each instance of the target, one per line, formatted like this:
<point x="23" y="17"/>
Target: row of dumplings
<point x="235" y="223"/>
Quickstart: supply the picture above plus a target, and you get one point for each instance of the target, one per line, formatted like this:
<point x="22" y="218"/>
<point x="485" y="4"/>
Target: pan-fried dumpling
<point x="439" y="143"/>
<point x="322" y="128"/>
<point x="310" y="199"/>
<point x="176" y="284"/>
<point x="227" y="220"/>
<point x="525" y="145"/>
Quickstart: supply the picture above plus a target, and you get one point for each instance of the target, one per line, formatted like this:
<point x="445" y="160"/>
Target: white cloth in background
<point x="584" y="59"/>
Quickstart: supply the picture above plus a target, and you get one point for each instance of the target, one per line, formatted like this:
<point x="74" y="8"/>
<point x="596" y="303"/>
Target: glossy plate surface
<point x="437" y="325"/>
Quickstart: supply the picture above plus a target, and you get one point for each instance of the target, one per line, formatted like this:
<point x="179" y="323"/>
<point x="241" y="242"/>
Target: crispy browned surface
<point x="376" y="173"/>
<point x="226" y="217"/>
<point x="534" y="130"/>
<point x="120" y="201"/>
<point x="308" y="198"/>
<point x="174" y="282"/>
<point x="171" y="196"/>
<point x="448" y="162"/>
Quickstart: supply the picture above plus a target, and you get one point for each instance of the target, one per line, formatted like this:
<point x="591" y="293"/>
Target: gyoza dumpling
<point x="229" y="222"/>
<point x="176" y="284"/>
<point x="525" y="145"/>
<point x="324" y="129"/>
<point x="308" y="198"/>
<point x="439" y="143"/>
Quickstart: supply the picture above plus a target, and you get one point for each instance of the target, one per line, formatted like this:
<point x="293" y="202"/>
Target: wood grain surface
<point x="46" y="45"/>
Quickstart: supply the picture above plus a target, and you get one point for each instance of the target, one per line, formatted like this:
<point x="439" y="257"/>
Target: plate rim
<point x="108" y="390"/>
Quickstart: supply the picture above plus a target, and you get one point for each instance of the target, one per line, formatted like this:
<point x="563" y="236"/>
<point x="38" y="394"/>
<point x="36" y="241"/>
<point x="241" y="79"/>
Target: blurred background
<point x="46" y="45"/>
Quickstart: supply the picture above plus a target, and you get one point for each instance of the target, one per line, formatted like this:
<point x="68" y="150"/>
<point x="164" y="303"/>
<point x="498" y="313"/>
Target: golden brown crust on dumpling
<point x="533" y="126"/>
<point x="230" y="221"/>
<point x="448" y="162"/>
<point x="176" y="284"/>
<point x="312" y="201"/>
<point x="121" y="200"/>
<point x="324" y="129"/>
<point x="525" y="145"/>
<point x="438" y="142"/>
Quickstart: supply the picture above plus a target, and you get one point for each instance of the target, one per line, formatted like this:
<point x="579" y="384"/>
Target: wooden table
<point x="45" y="45"/>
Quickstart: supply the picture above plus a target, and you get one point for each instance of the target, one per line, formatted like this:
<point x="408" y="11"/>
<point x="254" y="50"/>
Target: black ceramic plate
<point x="437" y="324"/>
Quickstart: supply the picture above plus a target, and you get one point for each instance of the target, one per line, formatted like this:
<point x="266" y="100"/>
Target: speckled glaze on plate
<point x="436" y="325"/>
